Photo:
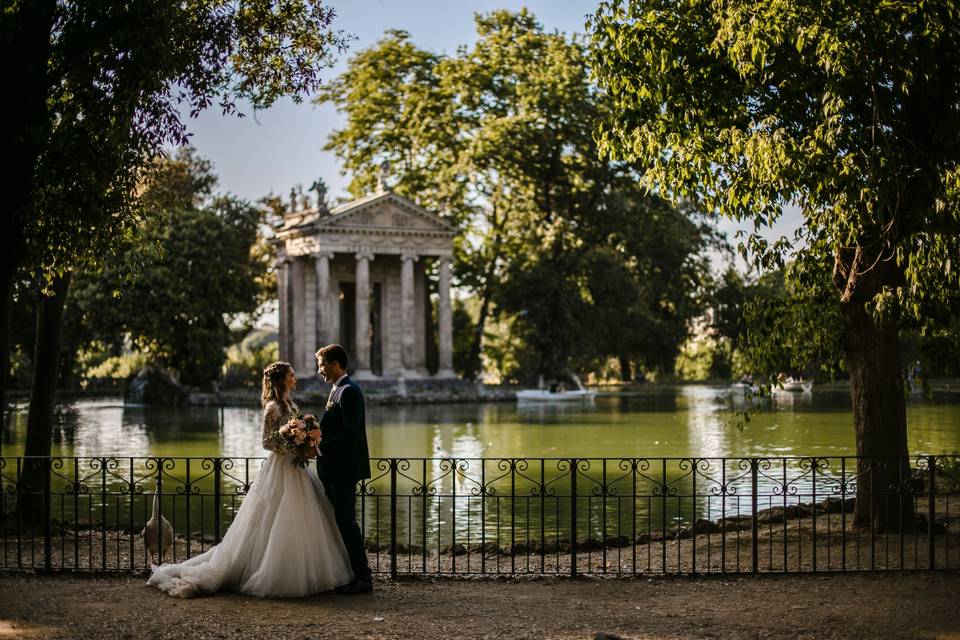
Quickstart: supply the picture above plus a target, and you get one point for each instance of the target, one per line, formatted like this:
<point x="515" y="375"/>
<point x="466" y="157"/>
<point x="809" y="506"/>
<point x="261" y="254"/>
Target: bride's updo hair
<point x="274" y="385"/>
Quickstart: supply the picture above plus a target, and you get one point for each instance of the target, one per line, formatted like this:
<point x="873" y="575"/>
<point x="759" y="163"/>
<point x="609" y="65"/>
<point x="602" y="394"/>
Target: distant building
<point x="356" y="275"/>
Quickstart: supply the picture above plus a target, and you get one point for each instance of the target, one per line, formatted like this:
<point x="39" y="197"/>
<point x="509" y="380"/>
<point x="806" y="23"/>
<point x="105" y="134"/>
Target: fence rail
<point x="564" y="516"/>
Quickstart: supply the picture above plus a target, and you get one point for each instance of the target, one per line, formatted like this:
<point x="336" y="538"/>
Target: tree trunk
<point x="24" y="123"/>
<point x="626" y="369"/>
<point x="476" y="345"/>
<point x="879" y="414"/>
<point x="6" y="291"/>
<point x="46" y="361"/>
<point x="473" y="356"/>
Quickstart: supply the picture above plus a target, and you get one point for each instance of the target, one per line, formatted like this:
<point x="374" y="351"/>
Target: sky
<point x="274" y="149"/>
<point x="280" y="147"/>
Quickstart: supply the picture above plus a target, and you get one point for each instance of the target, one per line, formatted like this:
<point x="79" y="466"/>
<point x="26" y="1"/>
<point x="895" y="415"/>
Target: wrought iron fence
<point x="552" y="516"/>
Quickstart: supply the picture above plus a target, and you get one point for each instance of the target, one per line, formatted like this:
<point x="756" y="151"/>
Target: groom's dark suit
<point x="344" y="461"/>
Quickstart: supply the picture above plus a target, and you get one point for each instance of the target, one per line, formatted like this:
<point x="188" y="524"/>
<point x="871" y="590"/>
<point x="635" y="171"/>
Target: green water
<point x="495" y="496"/>
<point x="672" y="422"/>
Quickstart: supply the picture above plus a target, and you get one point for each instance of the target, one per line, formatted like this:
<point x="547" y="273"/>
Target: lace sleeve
<point x="271" y="422"/>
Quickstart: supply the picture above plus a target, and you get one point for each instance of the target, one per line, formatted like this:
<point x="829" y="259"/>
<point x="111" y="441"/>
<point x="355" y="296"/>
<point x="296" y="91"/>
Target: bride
<point x="284" y="540"/>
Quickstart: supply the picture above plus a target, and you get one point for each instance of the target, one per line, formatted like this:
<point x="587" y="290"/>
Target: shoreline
<point x="429" y="391"/>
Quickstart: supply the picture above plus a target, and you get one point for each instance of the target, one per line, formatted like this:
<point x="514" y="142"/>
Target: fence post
<point x="216" y="498"/>
<point x="76" y="513"/>
<point x="754" y="559"/>
<point x="186" y="498"/>
<point x="103" y="515"/>
<point x="20" y="500"/>
<point x="393" y="518"/>
<point x="47" y="533"/>
<point x="513" y="516"/>
<point x="931" y="511"/>
<point x="573" y="517"/>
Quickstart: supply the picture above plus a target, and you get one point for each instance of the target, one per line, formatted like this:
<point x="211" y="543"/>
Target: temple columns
<point x="301" y="317"/>
<point x="324" y="314"/>
<point x="283" y="308"/>
<point x="445" y="322"/>
<point x="408" y="315"/>
<point x="361" y="355"/>
<point x="309" y="316"/>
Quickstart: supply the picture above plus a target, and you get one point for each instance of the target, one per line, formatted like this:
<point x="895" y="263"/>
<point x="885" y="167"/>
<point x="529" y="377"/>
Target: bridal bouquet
<point x="299" y="436"/>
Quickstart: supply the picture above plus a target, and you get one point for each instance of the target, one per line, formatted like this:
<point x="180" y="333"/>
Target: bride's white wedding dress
<point x="283" y="542"/>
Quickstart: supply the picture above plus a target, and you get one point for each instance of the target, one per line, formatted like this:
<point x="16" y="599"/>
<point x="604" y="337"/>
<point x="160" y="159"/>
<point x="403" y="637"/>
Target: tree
<point x="200" y="274"/>
<point x="791" y="323"/>
<point x="652" y="278"/>
<point x="849" y="110"/>
<point x="635" y="267"/>
<point x="499" y="136"/>
<point x="101" y="90"/>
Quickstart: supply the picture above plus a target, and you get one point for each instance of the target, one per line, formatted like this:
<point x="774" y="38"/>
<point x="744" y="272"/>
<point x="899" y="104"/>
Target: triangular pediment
<point x="386" y="211"/>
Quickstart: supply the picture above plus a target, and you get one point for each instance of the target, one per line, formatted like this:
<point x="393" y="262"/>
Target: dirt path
<point x="869" y="606"/>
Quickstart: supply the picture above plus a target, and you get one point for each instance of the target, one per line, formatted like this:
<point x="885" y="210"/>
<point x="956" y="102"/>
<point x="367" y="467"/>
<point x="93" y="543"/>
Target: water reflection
<point x="463" y="500"/>
<point x="692" y="420"/>
<point x="553" y="413"/>
<point x="240" y="431"/>
<point x="502" y="495"/>
<point x="707" y="436"/>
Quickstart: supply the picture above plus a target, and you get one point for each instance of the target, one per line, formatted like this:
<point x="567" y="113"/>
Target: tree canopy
<point x="199" y="273"/>
<point x="850" y="113"/>
<point x="499" y="136"/>
<point x="115" y="81"/>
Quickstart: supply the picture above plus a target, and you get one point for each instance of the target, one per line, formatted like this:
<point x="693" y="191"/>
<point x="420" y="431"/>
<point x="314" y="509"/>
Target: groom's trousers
<point x="343" y="497"/>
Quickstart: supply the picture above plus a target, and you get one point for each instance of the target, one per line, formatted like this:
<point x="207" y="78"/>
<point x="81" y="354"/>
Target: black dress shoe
<point x="355" y="587"/>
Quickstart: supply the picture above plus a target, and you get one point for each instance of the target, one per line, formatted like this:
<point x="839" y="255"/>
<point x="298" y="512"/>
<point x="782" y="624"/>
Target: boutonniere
<point x="331" y="404"/>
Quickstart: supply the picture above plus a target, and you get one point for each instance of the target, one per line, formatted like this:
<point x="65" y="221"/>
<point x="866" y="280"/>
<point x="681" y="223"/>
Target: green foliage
<point x="552" y="320"/>
<point x="849" y="110"/>
<point x="695" y="362"/>
<point x="936" y="350"/>
<point x="247" y="359"/>
<point x="199" y="276"/>
<point x="463" y="325"/>
<point x="792" y="326"/>
<point x="499" y="136"/>
<point x="97" y="367"/>
<point x="119" y="80"/>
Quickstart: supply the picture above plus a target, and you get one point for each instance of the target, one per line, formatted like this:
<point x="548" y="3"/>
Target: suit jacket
<point x="343" y="447"/>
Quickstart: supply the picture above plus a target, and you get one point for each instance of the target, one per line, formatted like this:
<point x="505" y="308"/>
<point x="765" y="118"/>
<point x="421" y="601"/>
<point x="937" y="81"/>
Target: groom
<point x="344" y="458"/>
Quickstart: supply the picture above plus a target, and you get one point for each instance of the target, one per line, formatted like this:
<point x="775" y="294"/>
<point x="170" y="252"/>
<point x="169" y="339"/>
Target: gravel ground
<point x="869" y="606"/>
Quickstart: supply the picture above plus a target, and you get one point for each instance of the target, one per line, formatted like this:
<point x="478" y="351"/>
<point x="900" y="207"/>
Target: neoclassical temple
<point x="357" y="275"/>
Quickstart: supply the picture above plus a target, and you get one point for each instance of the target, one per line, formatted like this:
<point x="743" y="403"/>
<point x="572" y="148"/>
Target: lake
<point x="645" y="484"/>
<point x="664" y="422"/>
